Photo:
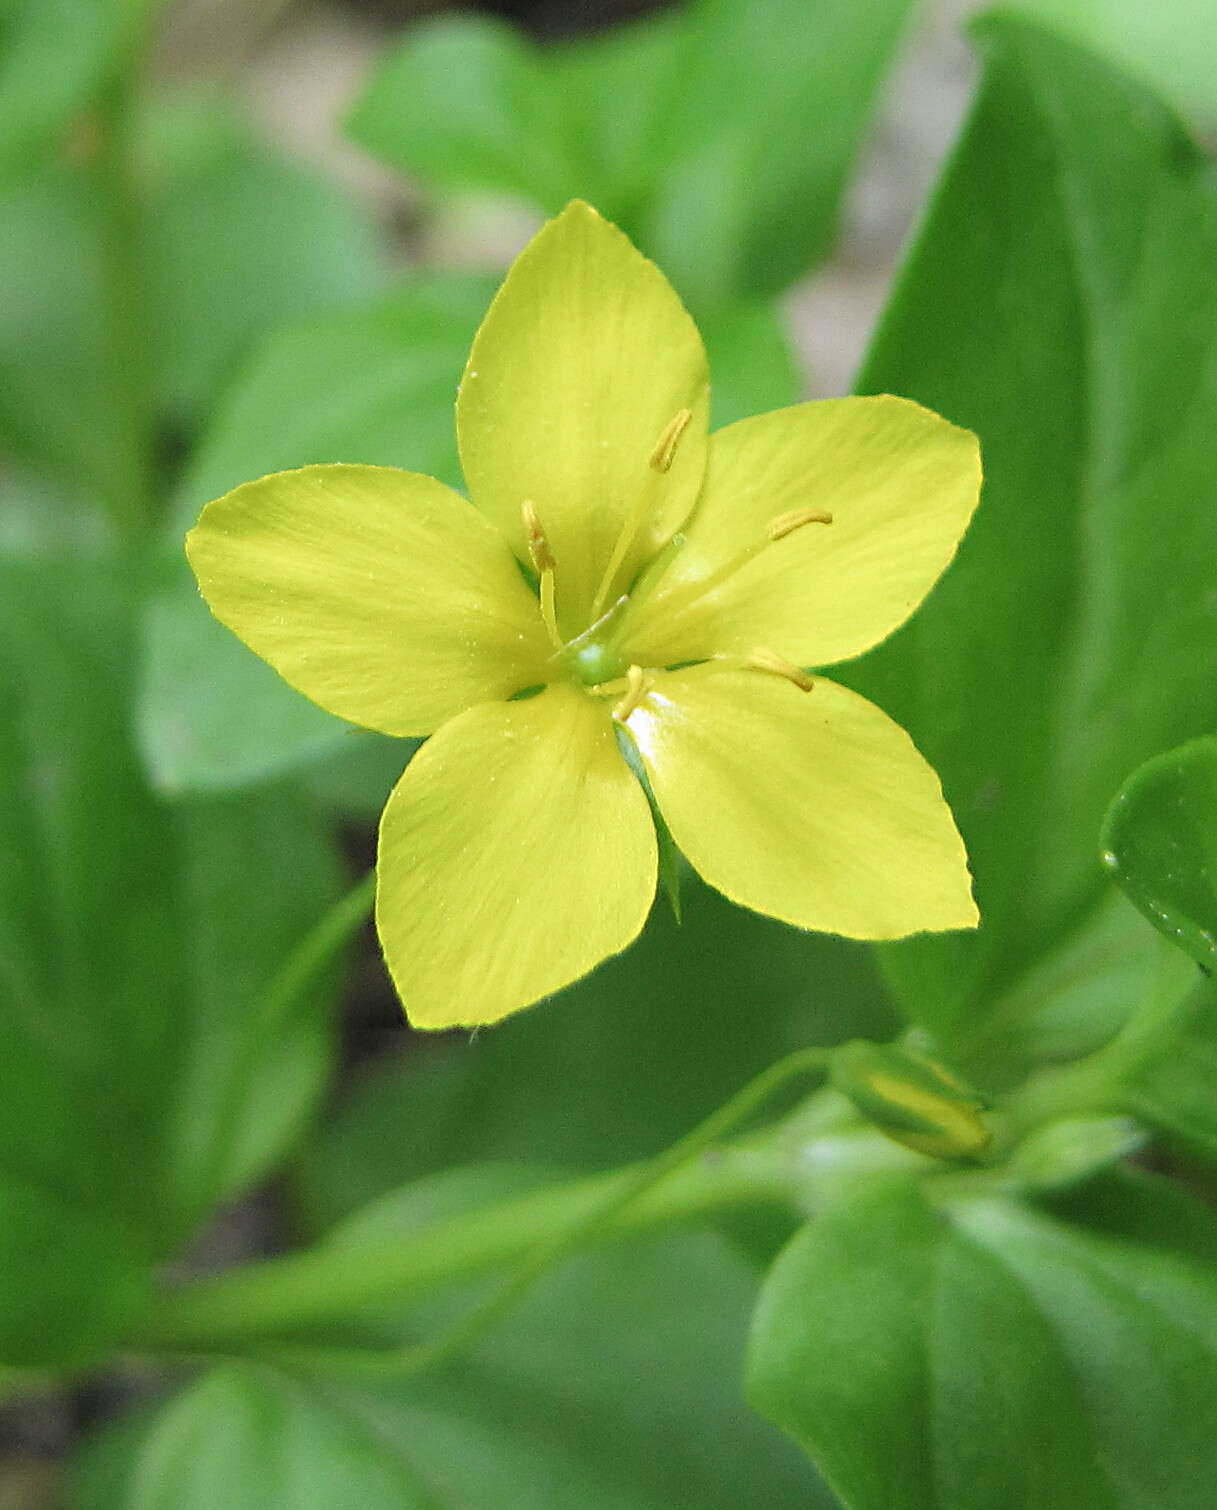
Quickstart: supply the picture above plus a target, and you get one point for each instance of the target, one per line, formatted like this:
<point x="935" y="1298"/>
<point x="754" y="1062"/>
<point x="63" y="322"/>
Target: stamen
<point x="781" y="525"/>
<point x="786" y="524"/>
<point x="776" y="665"/>
<point x="539" y="547"/>
<point x="661" y="459"/>
<point x="541" y="552"/>
<point x="637" y="685"/>
<point x="664" y="453"/>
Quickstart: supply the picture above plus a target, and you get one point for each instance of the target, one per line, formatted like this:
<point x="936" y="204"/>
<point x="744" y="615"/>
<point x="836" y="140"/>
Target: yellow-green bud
<point x="911" y="1099"/>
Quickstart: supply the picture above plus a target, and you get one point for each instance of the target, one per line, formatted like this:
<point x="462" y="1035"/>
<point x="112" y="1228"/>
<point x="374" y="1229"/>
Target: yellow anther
<point x="637" y="685"/>
<point x="538" y="542"/>
<point x="664" y="453"/>
<point x="776" y="665"/>
<point x="542" y="555"/>
<point x="785" y="524"/>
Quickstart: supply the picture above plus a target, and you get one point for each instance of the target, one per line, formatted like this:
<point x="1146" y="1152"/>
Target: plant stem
<point x="272" y="1010"/>
<point x="330" y="1282"/>
<point x="129" y="495"/>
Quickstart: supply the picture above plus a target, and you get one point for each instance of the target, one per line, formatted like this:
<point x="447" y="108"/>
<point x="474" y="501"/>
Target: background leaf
<point x="217" y="277"/>
<point x="613" y="1384"/>
<point x="1160" y="844"/>
<point x="70" y="1281"/>
<point x="668" y="127"/>
<point x="997" y="1357"/>
<point x="1169" y="44"/>
<point x="134" y="938"/>
<point x="54" y="58"/>
<point x="1059" y="302"/>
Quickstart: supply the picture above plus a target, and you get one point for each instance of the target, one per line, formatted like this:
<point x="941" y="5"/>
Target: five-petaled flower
<point x="619" y="583"/>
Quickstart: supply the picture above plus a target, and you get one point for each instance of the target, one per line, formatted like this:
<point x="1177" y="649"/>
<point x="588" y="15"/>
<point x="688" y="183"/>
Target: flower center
<point x="595" y="659"/>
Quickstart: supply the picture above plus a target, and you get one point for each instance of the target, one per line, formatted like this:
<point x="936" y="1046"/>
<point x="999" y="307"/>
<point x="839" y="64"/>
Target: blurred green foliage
<point x="184" y="305"/>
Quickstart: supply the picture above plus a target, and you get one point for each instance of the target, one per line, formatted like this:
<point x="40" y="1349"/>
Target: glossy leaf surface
<point x="1160" y="844"/>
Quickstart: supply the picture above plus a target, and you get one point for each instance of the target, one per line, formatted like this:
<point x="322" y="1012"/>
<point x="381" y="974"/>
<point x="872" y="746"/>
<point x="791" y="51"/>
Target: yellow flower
<point x="622" y="582"/>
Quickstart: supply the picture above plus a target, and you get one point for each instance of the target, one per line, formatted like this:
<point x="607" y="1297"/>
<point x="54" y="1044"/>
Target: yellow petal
<point x="813" y="807"/>
<point x="585" y="358"/>
<point x="516" y="853"/>
<point x="900" y="483"/>
<point x="382" y="595"/>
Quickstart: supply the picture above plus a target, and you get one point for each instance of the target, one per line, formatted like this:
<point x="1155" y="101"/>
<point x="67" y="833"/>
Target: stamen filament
<point x="660" y="462"/>
<point x="548" y="610"/>
<point x="777" y="665"/>
<point x="786" y="524"/>
<point x="637" y="685"/>
<point x="777" y="529"/>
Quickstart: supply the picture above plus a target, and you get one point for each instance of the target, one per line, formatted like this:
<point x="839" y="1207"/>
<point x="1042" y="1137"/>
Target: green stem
<point x="275" y="1007"/>
<point x="328" y="1283"/>
<point x="129" y="496"/>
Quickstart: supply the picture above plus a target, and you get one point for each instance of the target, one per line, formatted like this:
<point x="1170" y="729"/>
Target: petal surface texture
<point x="900" y="483"/>
<point x="585" y="357"/>
<point x="516" y="853"/>
<point x="812" y="807"/>
<point x="382" y="595"/>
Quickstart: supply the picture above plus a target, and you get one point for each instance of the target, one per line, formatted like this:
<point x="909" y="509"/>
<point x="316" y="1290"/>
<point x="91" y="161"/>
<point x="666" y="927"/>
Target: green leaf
<point x="668" y="126"/>
<point x="1160" y="844"/>
<point x="54" y="57"/>
<point x="1168" y="1068"/>
<point x="771" y="102"/>
<point x="70" y="1281"/>
<point x="217" y="277"/>
<point x="612" y="1386"/>
<point x="54" y="412"/>
<point x="212" y="716"/>
<point x="375" y="385"/>
<point x="1060" y="302"/>
<point x="465" y="103"/>
<point x="1170" y="44"/>
<point x="250" y="1439"/>
<point x="240" y="241"/>
<point x="134" y="938"/>
<point x="752" y="366"/>
<point x="998" y="1357"/>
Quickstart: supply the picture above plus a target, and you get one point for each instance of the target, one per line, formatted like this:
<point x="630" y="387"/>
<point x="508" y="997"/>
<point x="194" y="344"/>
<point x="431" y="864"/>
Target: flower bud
<point x="911" y="1099"/>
